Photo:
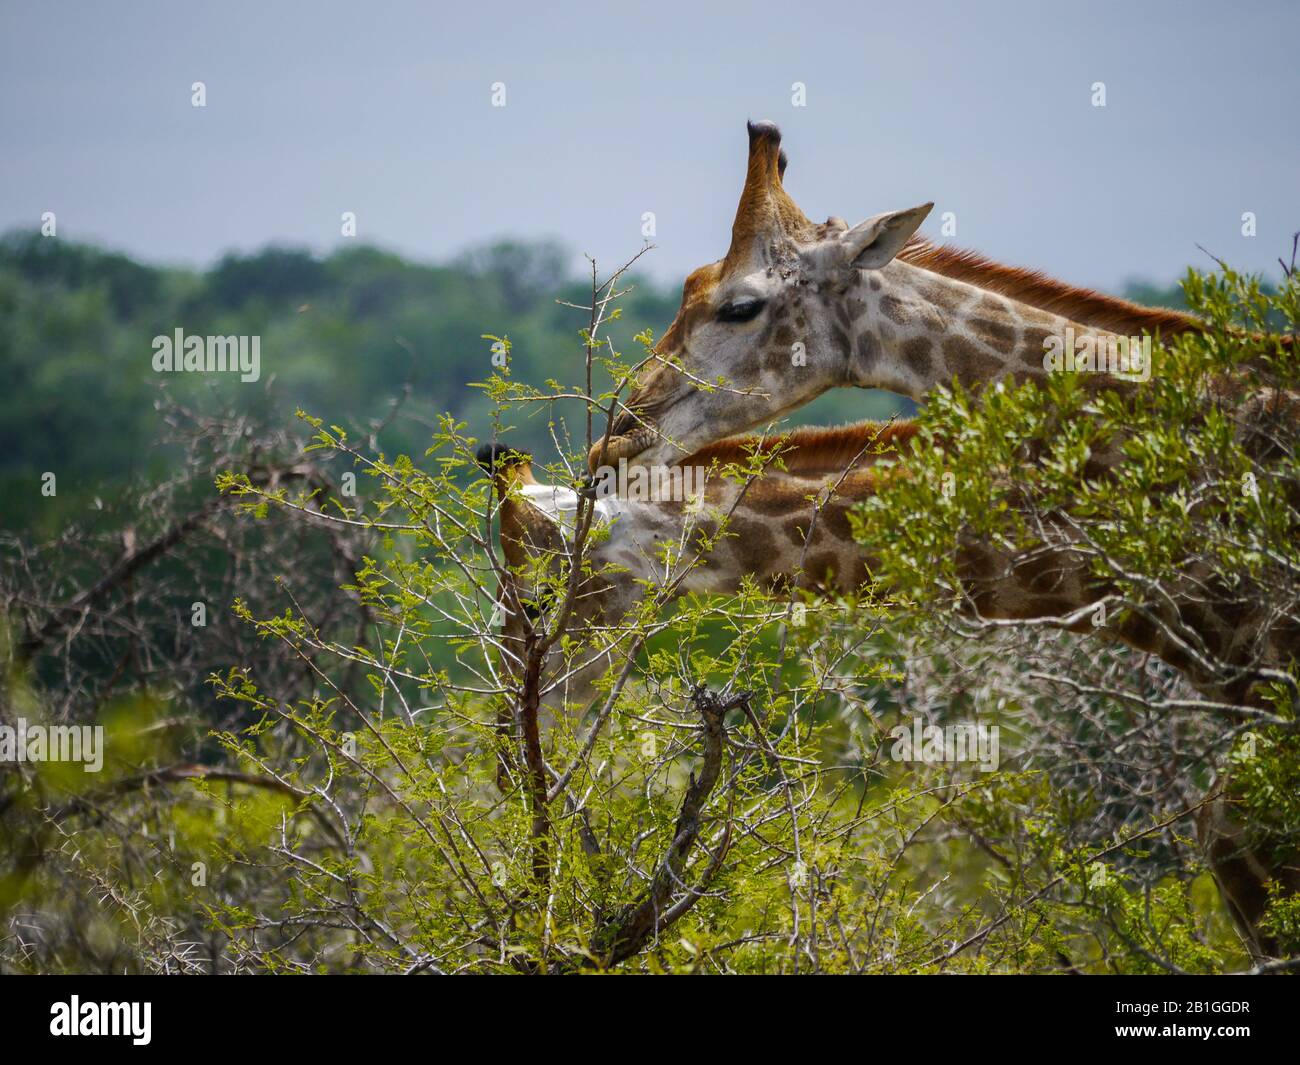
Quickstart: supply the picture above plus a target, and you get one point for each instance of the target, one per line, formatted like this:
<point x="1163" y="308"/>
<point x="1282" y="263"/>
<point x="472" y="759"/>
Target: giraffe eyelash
<point x="741" y="310"/>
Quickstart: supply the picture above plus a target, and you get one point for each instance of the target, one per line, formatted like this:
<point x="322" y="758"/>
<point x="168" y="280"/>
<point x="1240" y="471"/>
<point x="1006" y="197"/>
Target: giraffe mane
<point x="812" y="449"/>
<point x="1083" y="305"/>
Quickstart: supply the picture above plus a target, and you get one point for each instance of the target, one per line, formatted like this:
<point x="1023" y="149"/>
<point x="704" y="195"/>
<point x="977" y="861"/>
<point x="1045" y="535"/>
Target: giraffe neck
<point x="916" y="329"/>
<point x="786" y="529"/>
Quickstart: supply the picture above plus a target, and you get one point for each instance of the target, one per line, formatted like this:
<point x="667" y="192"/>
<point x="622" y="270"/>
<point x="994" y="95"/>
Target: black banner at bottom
<point x="140" y="1015"/>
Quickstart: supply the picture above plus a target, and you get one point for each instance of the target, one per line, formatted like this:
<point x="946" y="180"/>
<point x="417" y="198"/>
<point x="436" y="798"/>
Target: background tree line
<point x="348" y="333"/>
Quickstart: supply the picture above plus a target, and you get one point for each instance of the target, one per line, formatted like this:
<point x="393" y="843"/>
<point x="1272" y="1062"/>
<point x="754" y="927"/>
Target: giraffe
<point x="537" y="522"/>
<point x="535" y="517"/>
<point x="797" y="308"/>
<point x="789" y="528"/>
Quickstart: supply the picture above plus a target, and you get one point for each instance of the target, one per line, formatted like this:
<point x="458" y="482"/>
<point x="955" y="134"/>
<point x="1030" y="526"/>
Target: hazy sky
<point x="613" y="110"/>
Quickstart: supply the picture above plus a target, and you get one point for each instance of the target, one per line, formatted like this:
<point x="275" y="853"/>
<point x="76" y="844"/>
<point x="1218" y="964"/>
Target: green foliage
<point x="1179" y="496"/>
<point x="384" y="812"/>
<point x="348" y="333"/>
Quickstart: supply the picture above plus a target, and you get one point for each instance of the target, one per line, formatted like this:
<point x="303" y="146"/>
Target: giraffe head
<point x="763" y="330"/>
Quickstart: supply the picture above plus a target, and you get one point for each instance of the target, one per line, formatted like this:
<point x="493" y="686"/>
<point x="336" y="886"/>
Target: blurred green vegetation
<point x="915" y="859"/>
<point x="345" y="334"/>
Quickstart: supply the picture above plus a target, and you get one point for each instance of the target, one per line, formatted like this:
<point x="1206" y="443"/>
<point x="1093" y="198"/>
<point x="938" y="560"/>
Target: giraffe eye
<point x="745" y="309"/>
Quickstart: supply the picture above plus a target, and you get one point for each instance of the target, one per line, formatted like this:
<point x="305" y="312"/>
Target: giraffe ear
<point x="873" y="243"/>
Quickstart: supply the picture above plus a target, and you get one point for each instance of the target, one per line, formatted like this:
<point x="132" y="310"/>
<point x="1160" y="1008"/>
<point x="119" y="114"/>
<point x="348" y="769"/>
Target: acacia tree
<point x="396" y="783"/>
<point x="727" y="799"/>
<point x="684" y="819"/>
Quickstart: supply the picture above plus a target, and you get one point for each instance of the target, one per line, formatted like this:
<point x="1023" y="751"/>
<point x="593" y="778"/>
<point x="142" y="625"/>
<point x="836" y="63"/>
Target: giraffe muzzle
<point x="627" y="440"/>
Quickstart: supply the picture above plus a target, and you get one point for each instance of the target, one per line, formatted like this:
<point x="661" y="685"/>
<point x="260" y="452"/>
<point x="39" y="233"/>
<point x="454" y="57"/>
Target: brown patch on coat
<point x="834" y="517"/>
<point x="895" y="310"/>
<point x="818" y="568"/>
<point x="1033" y="345"/>
<point x="753" y="544"/>
<point x="966" y="361"/>
<point x="917" y="353"/>
<point x="999" y="334"/>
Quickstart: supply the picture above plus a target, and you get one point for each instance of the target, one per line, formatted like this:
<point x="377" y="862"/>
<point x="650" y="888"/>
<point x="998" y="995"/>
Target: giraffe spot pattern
<point x="995" y="332"/>
<point x="918" y="353"/>
<point x="834" y="518"/>
<point x="1033" y="345"/>
<point x="968" y="362"/>
<point x="895" y="310"/>
<point x="943" y="297"/>
<point x="868" y="348"/>
<point x="754" y="544"/>
<point x="841" y="340"/>
<point x="818" y="567"/>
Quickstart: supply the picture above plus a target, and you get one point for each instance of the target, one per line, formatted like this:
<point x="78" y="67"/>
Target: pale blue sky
<point x="383" y="108"/>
